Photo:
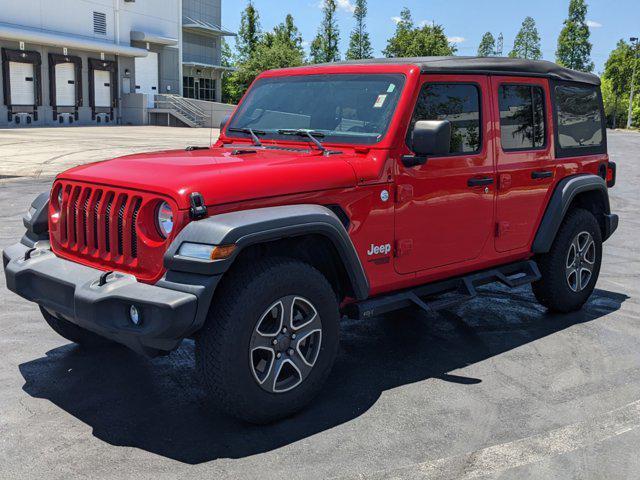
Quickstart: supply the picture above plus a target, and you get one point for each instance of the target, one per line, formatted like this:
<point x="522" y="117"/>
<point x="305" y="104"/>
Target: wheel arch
<point x="577" y="191"/>
<point x="310" y="233"/>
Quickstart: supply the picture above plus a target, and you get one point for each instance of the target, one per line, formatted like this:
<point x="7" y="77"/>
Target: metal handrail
<point x="183" y="107"/>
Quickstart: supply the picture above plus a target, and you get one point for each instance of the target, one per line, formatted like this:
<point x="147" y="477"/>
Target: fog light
<point x="134" y="315"/>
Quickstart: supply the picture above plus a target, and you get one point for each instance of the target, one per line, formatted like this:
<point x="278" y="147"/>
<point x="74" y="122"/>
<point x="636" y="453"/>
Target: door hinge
<point x="404" y="193"/>
<point x="403" y="247"/>
<point x="502" y="228"/>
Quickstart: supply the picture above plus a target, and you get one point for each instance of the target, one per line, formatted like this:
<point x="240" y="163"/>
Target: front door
<point x="525" y="162"/>
<point x="147" y="77"/>
<point x="445" y="208"/>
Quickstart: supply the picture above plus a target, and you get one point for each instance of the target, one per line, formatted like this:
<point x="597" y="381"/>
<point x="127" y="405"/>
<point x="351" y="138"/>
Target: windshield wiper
<point x="249" y="131"/>
<point x="302" y="132"/>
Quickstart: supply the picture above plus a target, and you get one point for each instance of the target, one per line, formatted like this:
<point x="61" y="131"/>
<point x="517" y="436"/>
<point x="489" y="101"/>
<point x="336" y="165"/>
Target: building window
<point x="188" y="88"/>
<point x="199" y="88"/>
<point x="99" y="23"/>
<point x="457" y="102"/>
<point x="522" y="119"/>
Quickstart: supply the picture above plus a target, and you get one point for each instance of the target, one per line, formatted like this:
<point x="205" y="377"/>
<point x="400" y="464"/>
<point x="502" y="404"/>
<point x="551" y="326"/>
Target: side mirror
<point x="429" y="138"/>
<point x="224" y="121"/>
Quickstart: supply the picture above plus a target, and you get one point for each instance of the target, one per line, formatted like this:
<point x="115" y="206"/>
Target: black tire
<point x="223" y="346"/>
<point x="74" y="333"/>
<point x="554" y="290"/>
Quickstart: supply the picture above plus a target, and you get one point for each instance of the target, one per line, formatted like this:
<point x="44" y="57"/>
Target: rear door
<point x="445" y="208"/>
<point x="525" y="160"/>
<point x="22" y="83"/>
<point x="102" y="88"/>
<point x="65" y="84"/>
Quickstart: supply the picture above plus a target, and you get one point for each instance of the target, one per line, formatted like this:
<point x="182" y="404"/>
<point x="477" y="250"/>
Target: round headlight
<point x="165" y="219"/>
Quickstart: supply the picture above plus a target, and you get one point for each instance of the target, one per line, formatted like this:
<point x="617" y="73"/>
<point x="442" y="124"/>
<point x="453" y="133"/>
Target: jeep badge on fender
<point x="258" y="246"/>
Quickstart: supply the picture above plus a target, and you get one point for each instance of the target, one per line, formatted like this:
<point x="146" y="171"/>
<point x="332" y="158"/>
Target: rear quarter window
<point x="579" y="120"/>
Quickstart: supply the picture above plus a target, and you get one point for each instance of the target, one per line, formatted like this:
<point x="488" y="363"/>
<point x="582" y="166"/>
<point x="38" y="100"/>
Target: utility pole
<point x="634" y="43"/>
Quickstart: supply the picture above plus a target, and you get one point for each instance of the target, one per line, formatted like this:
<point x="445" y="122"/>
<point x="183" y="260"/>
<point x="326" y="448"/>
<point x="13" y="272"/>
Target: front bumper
<point x="73" y="292"/>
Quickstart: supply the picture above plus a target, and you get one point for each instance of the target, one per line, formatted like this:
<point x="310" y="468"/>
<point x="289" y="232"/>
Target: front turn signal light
<point x="206" y="252"/>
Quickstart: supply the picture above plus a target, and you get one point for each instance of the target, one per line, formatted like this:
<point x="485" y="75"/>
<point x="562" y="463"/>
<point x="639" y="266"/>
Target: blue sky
<point x="465" y="21"/>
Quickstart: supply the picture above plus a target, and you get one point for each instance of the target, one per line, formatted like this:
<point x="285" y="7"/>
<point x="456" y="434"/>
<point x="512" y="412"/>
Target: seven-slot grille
<point x="99" y="222"/>
<point x="99" y="226"/>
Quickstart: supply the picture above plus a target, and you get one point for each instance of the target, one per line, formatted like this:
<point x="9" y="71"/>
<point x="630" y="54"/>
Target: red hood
<point x="220" y="176"/>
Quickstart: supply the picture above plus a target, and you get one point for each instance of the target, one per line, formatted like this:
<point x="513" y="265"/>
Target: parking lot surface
<point x="496" y="388"/>
<point x="48" y="151"/>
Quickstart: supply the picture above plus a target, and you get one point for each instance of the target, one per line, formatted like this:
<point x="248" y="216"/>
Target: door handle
<point x="479" y="182"/>
<point x="539" y="174"/>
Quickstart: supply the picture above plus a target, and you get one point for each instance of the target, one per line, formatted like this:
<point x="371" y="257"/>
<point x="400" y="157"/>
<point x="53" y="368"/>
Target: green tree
<point x="249" y="33"/>
<point x="411" y="41"/>
<point x="324" y="47"/>
<point x="574" y="48"/>
<point x="226" y="60"/>
<point x="500" y="45"/>
<point x="280" y="48"/>
<point x="616" y="79"/>
<point x="487" y="46"/>
<point x="359" y="43"/>
<point x="398" y="45"/>
<point x="527" y="42"/>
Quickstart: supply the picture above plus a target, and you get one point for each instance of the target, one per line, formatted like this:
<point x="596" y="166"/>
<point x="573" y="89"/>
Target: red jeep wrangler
<point x="350" y="189"/>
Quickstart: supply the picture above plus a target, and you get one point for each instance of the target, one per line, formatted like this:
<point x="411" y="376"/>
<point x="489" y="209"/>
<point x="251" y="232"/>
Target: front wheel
<point x="571" y="268"/>
<point x="270" y="340"/>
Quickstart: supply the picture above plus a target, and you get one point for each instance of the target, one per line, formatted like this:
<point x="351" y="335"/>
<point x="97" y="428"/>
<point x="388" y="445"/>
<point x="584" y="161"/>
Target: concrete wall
<point x="201" y="49"/>
<point x="206" y="10"/>
<point x="75" y="17"/>
<point x="215" y="111"/>
<point x="134" y="109"/>
<point x="45" y="111"/>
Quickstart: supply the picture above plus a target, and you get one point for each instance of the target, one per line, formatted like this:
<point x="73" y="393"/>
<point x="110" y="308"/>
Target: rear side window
<point x="522" y="117"/>
<point x="580" y="120"/>
<point x="456" y="102"/>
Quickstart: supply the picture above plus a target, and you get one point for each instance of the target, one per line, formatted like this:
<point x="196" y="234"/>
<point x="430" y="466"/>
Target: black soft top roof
<point x="485" y="65"/>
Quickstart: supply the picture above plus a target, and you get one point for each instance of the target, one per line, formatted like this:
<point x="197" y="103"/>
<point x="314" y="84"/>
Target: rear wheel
<point x="72" y="332"/>
<point x="571" y="268"/>
<point x="270" y="340"/>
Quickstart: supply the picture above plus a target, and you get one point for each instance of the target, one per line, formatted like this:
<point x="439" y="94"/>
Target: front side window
<point x="579" y="117"/>
<point x="522" y="118"/>
<point x="339" y="108"/>
<point x="460" y="104"/>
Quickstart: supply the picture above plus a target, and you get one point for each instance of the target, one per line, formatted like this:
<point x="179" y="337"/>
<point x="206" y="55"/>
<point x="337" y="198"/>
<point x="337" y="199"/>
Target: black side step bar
<point x="457" y="290"/>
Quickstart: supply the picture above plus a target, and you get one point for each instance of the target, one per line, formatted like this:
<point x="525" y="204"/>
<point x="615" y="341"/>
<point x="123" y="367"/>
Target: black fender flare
<point x="36" y="221"/>
<point x="250" y="227"/>
<point x="564" y="194"/>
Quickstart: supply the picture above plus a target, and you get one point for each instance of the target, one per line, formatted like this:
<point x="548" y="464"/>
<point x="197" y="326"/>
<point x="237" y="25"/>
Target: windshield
<point x="336" y="108"/>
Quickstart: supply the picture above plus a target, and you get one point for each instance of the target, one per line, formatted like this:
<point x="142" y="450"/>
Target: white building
<point x="110" y="61"/>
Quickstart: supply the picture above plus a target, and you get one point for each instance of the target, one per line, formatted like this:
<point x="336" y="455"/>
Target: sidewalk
<point x="34" y="152"/>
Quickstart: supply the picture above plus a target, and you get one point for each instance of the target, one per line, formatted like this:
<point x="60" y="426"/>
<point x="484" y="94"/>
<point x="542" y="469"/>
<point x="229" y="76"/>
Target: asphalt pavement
<point x="496" y="388"/>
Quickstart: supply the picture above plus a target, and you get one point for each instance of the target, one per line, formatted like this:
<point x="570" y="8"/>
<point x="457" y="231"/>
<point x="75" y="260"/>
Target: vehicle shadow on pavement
<point x="159" y="406"/>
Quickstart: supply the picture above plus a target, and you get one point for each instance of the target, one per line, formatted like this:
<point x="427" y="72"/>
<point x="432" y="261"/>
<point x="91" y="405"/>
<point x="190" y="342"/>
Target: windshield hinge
<point x="198" y="209"/>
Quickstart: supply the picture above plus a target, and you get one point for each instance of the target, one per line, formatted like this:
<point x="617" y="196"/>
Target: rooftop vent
<point x="100" y="23"/>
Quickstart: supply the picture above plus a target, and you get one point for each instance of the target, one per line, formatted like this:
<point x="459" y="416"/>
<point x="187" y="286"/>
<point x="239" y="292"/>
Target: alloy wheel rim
<point x="580" y="262"/>
<point x="285" y="344"/>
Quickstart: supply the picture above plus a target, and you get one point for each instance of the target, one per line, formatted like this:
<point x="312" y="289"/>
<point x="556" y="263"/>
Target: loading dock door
<point x="102" y="88"/>
<point x="23" y="91"/>
<point x="65" y="85"/>
<point x="147" y="77"/>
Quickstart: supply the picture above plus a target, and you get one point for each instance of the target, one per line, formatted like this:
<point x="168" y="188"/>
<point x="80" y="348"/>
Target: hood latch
<point x="198" y="209"/>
